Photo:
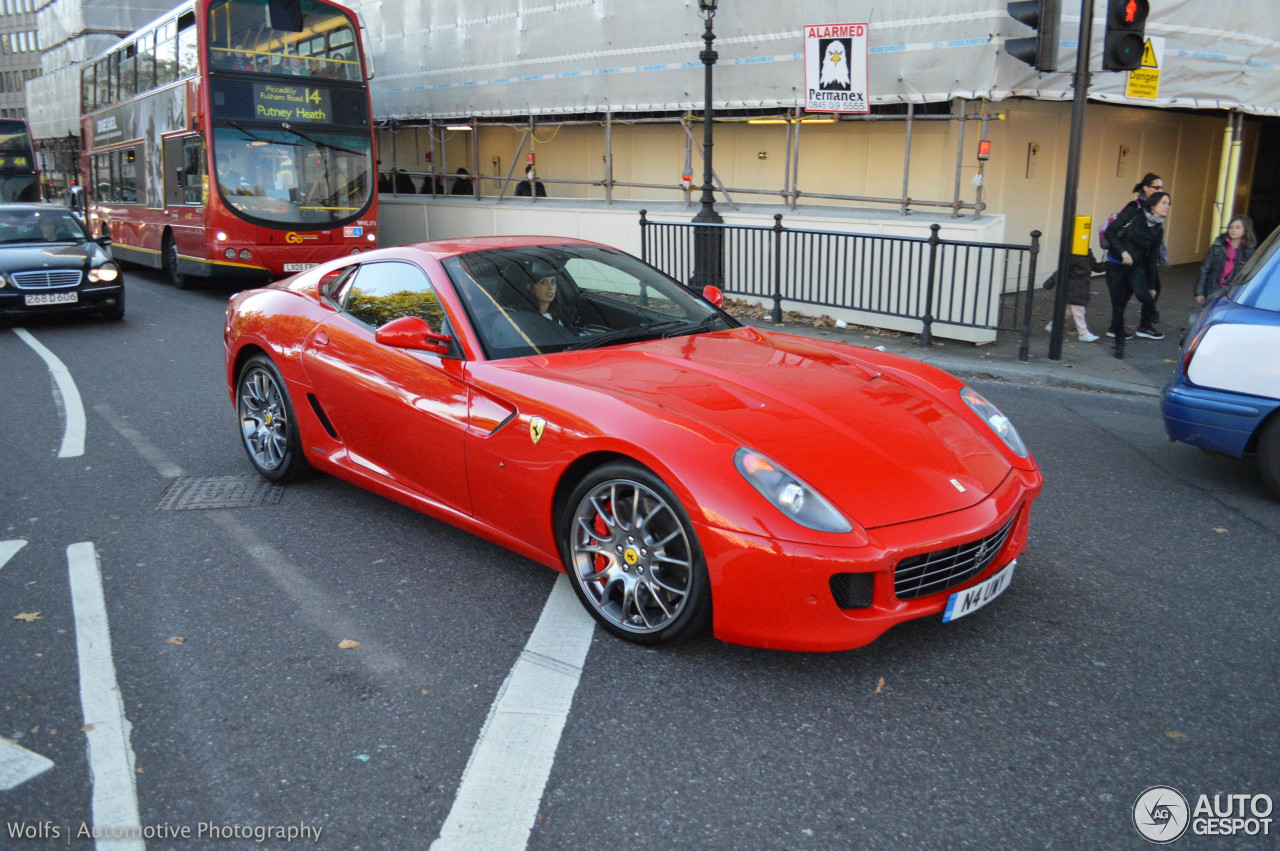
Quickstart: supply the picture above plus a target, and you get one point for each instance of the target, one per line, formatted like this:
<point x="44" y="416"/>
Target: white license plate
<point x="50" y="298"/>
<point x="299" y="267"/>
<point x="968" y="601"/>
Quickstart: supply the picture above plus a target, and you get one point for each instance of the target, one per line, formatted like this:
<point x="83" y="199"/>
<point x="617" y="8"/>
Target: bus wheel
<point x="169" y="259"/>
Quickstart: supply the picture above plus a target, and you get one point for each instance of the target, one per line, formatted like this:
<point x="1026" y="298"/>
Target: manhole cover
<point x="219" y="492"/>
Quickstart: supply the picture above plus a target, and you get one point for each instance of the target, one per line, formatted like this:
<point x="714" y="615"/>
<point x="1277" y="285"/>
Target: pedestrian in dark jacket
<point x="1079" y="286"/>
<point x="1136" y="236"/>
<point x="1227" y="254"/>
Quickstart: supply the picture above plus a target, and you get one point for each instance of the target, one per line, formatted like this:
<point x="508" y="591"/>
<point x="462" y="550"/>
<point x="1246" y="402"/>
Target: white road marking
<point x="111" y="758"/>
<point x="72" y="407"/>
<point x="9" y="549"/>
<point x="144" y="447"/>
<point x="18" y="765"/>
<point x="502" y="785"/>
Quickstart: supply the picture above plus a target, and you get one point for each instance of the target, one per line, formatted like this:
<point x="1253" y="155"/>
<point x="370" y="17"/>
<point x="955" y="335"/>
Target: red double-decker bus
<point x="19" y="178"/>
<point x="232" y="138"/>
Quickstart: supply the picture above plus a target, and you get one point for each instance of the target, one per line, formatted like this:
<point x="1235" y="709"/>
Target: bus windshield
<point x="18" y="178"/>
<point x="299" y="39"/>
<point x="292" y="176"/>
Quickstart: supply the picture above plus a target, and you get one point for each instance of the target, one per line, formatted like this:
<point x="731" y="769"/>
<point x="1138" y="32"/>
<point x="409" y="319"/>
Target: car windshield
<point x="1258" y="283"/>
<point x="540" y="299"/>
<point x="56" y="225"/>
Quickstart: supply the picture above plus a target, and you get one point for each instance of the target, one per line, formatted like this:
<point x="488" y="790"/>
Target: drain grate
<point x="191" y="492"/>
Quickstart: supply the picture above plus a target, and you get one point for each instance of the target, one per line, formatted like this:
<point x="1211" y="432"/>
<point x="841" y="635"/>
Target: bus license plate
<point x="299" y="267"/>
<point x="969" y="601"/>
<point x="50" y="298"/>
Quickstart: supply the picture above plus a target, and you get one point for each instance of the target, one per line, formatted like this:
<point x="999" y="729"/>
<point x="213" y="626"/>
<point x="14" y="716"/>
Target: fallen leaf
<point x="347" y="644"/>
<point x="27" y="616"/>
<point x="35" y="729"/>
<point x="1175" y="735"/>
<point x="177" y="639"/>
<point x="1170" y="360"/>
<point x="1219" y="530"/>
<point x="424" y="691"/>
<point x="39" y="655"/>
<point x="880" y="686"/>
<point x="87" y="728"/>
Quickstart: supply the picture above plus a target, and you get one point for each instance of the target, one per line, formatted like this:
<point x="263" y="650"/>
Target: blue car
<point x="1225" y="396"/>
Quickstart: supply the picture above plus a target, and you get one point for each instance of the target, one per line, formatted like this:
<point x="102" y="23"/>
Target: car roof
<point x="36" y="207"/>
<point x="442" y="248"/>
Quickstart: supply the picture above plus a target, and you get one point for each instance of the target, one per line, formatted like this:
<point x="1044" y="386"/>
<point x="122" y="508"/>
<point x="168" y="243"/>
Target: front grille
<point x="46" y="280"/>
<point x="930" y="573"/>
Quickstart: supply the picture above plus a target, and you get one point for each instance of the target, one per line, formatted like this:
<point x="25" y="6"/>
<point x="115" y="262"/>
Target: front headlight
<point x="105" y="273"/>
<point x="998" y="422"/>
<point x="790" y="495"/>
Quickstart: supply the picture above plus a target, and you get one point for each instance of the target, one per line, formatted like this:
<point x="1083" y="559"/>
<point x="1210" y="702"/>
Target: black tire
<point x="169" y="263"/>
<point x="268" y="428"/>
<point x="115" y="312"/>
<point x="1269" y="454"/>
<point x="641" y="575"/>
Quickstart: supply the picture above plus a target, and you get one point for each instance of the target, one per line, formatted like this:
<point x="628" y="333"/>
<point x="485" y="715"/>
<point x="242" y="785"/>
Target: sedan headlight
<point x="789" y="494"/>
<point x="105" y="273"/>
<point x="998" y="422"/>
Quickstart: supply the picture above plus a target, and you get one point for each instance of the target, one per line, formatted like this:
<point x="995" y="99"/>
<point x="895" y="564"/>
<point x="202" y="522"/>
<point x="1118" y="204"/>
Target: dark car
<point x="50" y="264"/>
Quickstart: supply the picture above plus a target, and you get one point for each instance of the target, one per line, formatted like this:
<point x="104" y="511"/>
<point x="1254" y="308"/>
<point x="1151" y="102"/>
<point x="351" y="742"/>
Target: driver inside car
<point x="534" y="311"/>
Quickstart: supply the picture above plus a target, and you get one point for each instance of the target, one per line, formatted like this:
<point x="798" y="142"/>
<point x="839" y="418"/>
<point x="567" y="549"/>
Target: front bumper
<point x="1213" y="419"/>
<point x="91" y="298"/>
<point x="778" y="594"/>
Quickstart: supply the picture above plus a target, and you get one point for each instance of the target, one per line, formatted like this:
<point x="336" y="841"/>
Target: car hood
<point x="882" y="449"/>
<point x="57" y="255"/>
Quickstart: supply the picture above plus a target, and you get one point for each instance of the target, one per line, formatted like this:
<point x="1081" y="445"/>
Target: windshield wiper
<point x="285" y="125"/>
<point x="253" y="137"/>
<point x="640" y="332"/>
<point x="706" y="324"/>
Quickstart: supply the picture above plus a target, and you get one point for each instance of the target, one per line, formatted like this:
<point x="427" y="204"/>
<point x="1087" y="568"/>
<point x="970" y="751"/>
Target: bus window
<point x="128" y="176"/>
<point x="167" y="53"/>
<point x="194" y="182"/>
<point x="128" y="72"/>
<point x="147" y="62"/>
<point x="188" y="45"/>
<point x="88" y="90"/>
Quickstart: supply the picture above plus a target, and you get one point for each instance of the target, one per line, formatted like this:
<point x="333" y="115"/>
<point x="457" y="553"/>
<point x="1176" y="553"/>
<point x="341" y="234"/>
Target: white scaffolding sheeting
<point x="448" y="58"/>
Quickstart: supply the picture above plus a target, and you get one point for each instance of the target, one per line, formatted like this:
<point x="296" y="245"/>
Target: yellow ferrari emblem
<point x="536" y="426"/>
<point x="631" y="556"/>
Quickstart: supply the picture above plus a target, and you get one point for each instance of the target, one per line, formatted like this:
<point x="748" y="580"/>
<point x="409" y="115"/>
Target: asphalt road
<point x="1136" y="646"/>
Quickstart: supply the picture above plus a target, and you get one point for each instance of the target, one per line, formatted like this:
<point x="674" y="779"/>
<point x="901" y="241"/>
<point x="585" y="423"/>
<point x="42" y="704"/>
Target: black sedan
<point x="50" y="264"/>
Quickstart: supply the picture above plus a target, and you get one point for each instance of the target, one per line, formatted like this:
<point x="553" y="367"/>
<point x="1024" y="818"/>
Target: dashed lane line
<point x="72" y="406"/>
<point x="111" y="758"/>
<point x="501" y="788"/>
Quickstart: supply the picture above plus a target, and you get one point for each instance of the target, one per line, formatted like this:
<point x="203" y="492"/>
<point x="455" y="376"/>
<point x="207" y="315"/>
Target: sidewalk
<point x="1146" y="367"/>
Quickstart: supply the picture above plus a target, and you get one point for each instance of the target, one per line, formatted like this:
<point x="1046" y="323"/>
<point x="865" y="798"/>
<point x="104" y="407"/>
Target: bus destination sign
<point x="280" y="102"/>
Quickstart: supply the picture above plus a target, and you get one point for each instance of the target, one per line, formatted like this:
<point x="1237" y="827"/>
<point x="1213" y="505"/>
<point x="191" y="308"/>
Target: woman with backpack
<point x="1133" y="264"/>
<point x="1227" y="254"/>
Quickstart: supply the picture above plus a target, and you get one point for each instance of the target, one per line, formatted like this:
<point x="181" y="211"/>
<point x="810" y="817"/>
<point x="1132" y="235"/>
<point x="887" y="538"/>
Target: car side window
<point x="382" y="291"/>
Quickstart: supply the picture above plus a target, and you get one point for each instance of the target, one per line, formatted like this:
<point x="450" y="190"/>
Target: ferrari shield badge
<point x="536" y="426"/>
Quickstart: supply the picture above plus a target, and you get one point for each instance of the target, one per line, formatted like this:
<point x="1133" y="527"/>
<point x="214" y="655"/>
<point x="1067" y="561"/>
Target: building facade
<point x="19" y="55"/>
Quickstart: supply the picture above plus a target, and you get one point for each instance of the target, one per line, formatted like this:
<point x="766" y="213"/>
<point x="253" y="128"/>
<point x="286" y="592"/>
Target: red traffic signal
<point x="1125" y="40"/>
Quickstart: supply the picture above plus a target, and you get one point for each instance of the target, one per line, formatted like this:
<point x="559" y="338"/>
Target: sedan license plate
<point x="50" y="298"/>
<point x="968" y="601"/>
<point x="299" y="267"/>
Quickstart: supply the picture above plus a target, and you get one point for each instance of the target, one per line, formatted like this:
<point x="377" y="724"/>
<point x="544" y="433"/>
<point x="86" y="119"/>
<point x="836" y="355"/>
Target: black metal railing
<point x="930" y="279"/>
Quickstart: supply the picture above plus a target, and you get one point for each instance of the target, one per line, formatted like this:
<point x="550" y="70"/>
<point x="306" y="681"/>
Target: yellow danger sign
<point x="1145" y="82"/>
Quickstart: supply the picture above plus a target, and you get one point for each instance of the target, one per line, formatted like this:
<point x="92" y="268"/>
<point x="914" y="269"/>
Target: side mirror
<point x="104" y="240"/>
<point x="713" y="295"/>
<point x="412" y="332"/>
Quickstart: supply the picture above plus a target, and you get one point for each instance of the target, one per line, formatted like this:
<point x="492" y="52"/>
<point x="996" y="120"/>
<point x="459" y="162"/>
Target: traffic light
<point x="1041" y="50"/>
<point x="1126" y="22"/>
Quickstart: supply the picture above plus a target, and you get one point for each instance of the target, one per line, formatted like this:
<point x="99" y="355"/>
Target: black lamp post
<point x="708" y="243"/>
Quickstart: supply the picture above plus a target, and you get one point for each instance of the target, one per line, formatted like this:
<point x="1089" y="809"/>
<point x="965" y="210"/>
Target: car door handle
<point x="321" y="339"/>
